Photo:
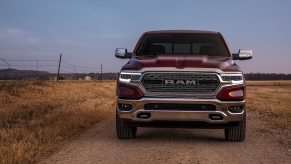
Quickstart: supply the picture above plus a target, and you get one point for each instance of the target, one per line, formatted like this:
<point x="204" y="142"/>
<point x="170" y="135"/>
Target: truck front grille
<point x="186" y="82"/>
<point x="181" y="107"/>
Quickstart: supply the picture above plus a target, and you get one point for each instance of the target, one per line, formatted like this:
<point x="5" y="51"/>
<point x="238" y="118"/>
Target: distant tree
<point x="267" y="76"/>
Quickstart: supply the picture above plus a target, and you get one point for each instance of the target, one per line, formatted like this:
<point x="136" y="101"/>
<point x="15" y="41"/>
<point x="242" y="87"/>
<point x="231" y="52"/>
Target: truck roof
<point x="181" y="32"/>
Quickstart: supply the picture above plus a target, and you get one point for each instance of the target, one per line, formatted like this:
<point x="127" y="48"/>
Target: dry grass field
<point x="38" y="117"/>
<point x="272" y="100"/>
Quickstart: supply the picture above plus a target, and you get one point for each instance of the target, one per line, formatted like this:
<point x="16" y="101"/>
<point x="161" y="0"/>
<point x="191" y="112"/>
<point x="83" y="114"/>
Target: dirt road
<point x="100" y="145"/>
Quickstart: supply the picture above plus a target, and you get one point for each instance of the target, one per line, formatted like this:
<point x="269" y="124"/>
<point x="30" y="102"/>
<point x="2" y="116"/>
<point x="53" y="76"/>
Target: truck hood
<point x="182" y="61"/>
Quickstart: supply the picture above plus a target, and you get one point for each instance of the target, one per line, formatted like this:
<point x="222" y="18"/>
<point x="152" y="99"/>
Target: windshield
<point x="193" y="44"/>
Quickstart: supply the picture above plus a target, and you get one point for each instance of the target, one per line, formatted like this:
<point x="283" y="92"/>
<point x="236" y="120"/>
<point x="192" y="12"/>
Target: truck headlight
<point x="129" y="76"/>
<point x="234" y="78"/>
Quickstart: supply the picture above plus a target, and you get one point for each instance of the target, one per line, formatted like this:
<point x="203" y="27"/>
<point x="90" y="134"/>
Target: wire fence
<point x="53" y="69"/>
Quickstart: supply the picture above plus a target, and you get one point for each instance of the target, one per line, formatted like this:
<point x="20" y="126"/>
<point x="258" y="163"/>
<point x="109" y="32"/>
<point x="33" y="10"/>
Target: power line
<point x="64" y="62"/>
<point x="17" y="65"/>
<point x="52" y="70"/>
<point x="49" y="65"/>
<point x="77" y="69"/>
<point x="35" y="60"/>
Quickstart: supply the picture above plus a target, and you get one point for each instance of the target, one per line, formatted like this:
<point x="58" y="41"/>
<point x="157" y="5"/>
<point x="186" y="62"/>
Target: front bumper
<point x="179" y="115"/>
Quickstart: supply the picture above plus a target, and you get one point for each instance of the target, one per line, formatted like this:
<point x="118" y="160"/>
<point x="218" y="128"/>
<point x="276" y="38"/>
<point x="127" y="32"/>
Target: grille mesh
<point x="182" y="107"/>
<point x="205" y="83"/>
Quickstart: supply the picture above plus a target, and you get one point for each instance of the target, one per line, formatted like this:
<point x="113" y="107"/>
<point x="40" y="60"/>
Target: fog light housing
<point x="232" y="94"/>
<point x="236" y="109"/>
<point x="126" y="107"/>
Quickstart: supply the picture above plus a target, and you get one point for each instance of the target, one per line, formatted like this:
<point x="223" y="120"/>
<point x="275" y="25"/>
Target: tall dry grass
<point x="37" y="117"/>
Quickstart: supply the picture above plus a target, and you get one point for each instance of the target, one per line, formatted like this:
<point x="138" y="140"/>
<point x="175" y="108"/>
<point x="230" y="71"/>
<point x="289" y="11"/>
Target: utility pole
<point x="59" y="67"/>
<point x="101" y="74"/>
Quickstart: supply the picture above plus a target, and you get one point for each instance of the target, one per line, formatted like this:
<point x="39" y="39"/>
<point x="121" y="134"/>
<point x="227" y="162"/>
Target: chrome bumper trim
<point x="170" y="115"/>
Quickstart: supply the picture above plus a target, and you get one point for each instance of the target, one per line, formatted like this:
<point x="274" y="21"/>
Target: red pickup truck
<point x="181" y="78"/>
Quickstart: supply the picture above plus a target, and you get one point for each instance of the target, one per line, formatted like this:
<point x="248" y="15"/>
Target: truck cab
<point x="181" y="78"/>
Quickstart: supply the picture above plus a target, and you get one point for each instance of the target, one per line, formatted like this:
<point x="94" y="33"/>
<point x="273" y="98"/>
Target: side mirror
<point x="243" y="55"/>
<point x="122" y="53"/>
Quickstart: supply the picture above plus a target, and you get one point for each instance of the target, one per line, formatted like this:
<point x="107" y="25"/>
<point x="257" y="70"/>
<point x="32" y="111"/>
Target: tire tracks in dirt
<point x="99" y="144"/>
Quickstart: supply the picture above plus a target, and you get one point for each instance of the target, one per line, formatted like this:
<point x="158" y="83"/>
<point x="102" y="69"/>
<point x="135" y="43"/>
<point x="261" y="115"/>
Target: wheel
<point x="124" y="131"/>
<point x="238" y="133"/>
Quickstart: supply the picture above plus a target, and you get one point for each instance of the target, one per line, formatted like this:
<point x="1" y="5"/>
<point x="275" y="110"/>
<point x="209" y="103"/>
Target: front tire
<point x="237" y="133"/>
<point x="124" y="131"/>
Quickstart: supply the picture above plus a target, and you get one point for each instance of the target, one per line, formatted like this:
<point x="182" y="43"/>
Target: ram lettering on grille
<point x="180" y="82"/>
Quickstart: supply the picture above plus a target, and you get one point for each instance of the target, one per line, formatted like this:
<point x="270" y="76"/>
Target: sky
<point x="87" y="32"/>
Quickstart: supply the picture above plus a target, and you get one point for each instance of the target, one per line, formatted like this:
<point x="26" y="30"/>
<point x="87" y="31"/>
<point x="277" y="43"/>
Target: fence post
<point x="59" y="67"/>
<point x="101" y="74"/>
